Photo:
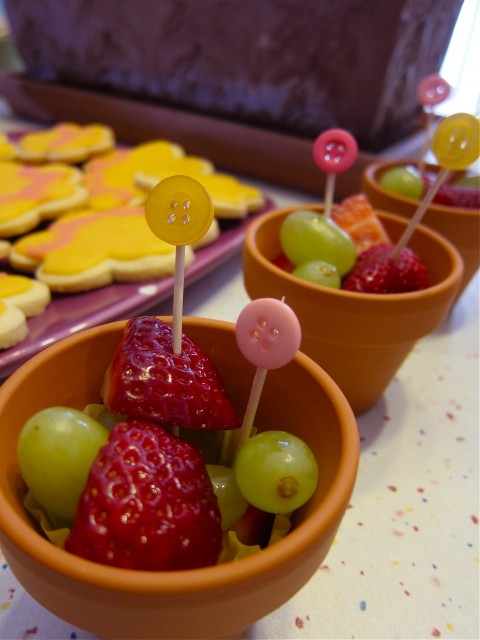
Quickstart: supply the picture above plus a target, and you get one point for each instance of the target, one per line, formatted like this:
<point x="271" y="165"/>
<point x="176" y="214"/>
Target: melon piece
<point x="356" y="216"/>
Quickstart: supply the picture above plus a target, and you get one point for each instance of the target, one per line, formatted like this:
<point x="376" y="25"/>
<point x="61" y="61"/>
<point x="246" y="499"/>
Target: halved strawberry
<point x="147" y="380"/>
<point x="148" y="504"/>
<point x="376" y="272"/>
<point x="454" y="195"/>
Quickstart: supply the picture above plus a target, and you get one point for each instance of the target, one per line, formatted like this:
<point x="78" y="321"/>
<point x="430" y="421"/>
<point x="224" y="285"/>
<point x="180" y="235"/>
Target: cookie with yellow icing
<point x="30" y="194"/>
<point x="110" y="180"/>
<point x="230" y="197"/>
<point x="7" y="148"/>
<point x="20" y="298"/>
<point x="90" y="249"/>
<point x="65" y="142"/>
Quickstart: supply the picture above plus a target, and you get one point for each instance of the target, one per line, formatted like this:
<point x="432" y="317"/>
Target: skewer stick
<point x="443" y="174"/>
<point x="329" y="193"/>
<point x="178" y="291"/>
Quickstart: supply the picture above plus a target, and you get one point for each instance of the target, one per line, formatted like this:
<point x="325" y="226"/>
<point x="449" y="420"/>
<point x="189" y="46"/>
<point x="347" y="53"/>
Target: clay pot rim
<point x="157" y="583"/>
<point x="373" y="298"/>
<point x="370" y="175"/>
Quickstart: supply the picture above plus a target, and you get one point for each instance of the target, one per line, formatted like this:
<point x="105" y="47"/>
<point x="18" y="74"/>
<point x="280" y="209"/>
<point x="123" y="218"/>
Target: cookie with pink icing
<point x="231" y="198"/>
<point x="20" y="298"/>
<point x="65" y="142"/>
<point x="30" y="194"/>
<point x="90" y="249"/>
<point x="110" y="180"/>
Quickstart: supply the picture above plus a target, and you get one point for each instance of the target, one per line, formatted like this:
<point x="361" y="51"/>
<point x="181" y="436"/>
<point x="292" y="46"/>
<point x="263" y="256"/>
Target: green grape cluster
<point x="321" y="251"/>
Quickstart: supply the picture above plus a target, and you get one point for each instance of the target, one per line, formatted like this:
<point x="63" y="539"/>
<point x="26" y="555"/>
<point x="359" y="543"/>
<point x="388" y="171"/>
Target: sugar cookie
<point x="110" y="180"/>
<point x="65" y="142"/>
<point x="5" y="248"/>
<point x="231" y="198"/>
<point x="20" y="298"/>
<point x="29" y="195"/>
<point x="7" y="149"/>
<point x="13" y="326"/>
<point x="90" y="249"/>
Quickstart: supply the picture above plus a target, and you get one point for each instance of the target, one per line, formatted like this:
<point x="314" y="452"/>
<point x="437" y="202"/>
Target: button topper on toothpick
<point x="179" y="211"/>
<point x="268" y="335"/>
<point x="431" y="91"/>
<point x="456" y="145"/>
<point x="334" y="151"/>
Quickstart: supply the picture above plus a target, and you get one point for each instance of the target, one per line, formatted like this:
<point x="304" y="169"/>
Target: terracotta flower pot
<point x="360" y="339"/>
<point x="215" y="602"/>
<point x="460" y="226"/>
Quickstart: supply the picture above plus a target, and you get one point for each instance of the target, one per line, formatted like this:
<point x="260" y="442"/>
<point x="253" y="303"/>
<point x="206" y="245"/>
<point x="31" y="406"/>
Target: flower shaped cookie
<point x="110" y="180"/>
<point x="230" y="197"/>
<point x="29" y="195"/>
<point x="20" y="298"/>
<point x="7" y="149"/>
<point x="66" y="142"/>
<point x="90" y="249"/>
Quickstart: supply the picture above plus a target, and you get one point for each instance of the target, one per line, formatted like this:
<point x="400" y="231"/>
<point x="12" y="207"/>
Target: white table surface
<point x="405" y="562"/>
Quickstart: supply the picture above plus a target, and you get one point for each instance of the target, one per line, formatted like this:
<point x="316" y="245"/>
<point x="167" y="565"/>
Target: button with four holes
<point x="335" y="150"/>
<point x="179" y="210"/>
<point x="268" y="333"/>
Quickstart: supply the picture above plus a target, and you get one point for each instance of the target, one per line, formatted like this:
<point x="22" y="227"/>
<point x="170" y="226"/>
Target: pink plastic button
<point x="335" y="151"/>
<point x="268" y="333"/>
<point x="432" y="90"/>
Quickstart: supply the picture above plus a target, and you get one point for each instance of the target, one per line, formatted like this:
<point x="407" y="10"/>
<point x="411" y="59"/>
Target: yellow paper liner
<point x="232" y="548"/>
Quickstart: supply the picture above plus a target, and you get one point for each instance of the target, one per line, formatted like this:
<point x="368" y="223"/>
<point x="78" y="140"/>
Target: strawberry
<point x="376" y="272"/>
<point x="146" y="379"/>
<point x="254" y="527"/>
<point x="282" y="262"/>
<point x="148" y="504"/>
<point x="453" y="195"/>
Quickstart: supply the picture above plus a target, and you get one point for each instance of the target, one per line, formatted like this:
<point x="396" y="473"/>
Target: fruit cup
<point x="459" y="225"/>
<point x="360" y="339"/>
<point x="214" y="602"/>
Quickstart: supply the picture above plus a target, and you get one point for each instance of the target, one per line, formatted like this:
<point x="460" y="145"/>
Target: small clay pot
<point x="214" y="602"/>
<point x="460" y="226"/>
<point x="360" y="339"/>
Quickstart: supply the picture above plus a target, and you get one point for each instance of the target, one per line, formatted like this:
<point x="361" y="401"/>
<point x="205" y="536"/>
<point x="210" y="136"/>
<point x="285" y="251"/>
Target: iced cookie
<point x="90" y="249"/>
<point x="230" y="197"/>
<point x="110" y="180"/>
<point x="7" y="149"/>
<point x="29" y="195"/>
<point x="20" y="298"/>
<point x="66" y="142"/>
<point x="5" y="248"/>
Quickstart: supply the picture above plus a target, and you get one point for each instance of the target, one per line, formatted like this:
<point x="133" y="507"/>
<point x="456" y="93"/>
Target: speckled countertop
<point x="405" y="562"/>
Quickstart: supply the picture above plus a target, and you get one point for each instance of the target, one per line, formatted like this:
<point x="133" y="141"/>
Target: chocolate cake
<point x="296" y="66"/>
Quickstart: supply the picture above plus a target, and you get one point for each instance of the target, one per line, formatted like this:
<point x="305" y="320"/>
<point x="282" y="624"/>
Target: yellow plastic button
<point x="179" y="210"/>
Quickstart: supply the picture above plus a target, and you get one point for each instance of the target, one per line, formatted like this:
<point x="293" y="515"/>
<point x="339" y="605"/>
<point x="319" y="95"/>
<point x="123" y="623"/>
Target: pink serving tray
<point x="67" y="314"/>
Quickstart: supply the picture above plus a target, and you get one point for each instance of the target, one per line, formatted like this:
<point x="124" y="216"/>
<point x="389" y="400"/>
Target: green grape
<point x="56" y="448"/>
<point x="231" y="502"/>
<point x="306" y="236"/>
<point x="318" y="272"/>
<point x="100" y="413"/>
<point x="405" y="181"/>
<point x="276" y="471"/>
<point x="473" y="182"/>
